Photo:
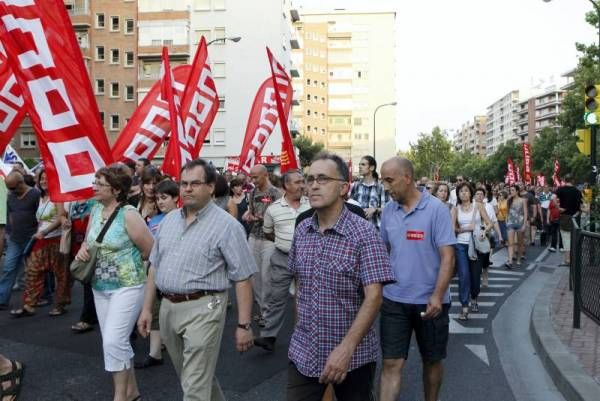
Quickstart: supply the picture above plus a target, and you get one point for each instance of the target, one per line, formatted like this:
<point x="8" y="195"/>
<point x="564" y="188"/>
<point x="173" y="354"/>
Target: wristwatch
<point x="245" y="326"/>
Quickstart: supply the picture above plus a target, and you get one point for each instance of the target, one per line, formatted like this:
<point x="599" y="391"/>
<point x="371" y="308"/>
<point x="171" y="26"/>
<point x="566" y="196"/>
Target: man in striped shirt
<point x="278" y="226"/>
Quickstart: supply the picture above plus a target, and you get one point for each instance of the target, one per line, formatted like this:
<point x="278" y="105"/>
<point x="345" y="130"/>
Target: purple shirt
<point x="414" y="239"/>
<point x="332" y="269"/>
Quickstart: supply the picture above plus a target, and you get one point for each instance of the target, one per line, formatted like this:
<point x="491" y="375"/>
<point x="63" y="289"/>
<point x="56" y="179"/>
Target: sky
<point x="456" y="57"/>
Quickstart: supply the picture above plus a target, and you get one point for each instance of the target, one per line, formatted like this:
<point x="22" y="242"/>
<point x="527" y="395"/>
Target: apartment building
<point x="501" y="120"/>
<point x="471" y="137"/>
<point x="348" y="69"/>
<point x="537" y="113"/>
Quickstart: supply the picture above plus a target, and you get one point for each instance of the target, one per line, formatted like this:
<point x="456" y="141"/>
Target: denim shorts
<point x="515" y="227"/>
<point x="399" y="320"/>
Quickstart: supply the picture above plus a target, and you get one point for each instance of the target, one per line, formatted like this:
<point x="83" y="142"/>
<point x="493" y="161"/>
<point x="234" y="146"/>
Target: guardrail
<point x="585" y="274"/>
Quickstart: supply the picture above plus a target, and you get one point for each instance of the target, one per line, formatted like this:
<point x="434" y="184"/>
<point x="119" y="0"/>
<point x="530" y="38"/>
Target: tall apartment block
<point x="347" y="66"/>
<point x="501" y="120"/>
<point x="471" y="137"/>
<point x="537" y="113"/>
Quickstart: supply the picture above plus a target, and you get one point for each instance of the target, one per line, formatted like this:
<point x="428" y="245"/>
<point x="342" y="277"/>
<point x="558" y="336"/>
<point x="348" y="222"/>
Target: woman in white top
<point x="480" y="198"/>
<point x="465" y="219"/>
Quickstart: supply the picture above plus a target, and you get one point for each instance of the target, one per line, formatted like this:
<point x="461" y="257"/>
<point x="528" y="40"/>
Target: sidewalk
<point x="571" y="356"/>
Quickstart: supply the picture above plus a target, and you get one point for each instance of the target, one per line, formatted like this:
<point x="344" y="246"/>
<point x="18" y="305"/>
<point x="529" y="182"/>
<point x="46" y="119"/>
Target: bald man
<point x="22" y="205"/>
<point x="261" y="197"/>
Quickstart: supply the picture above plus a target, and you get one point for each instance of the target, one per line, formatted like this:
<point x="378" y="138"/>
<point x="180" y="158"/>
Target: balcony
<point x="294" y="71"/>
<point x="295" y="41"/>
<point x="80" y="14"/>
<point x="154" y="51"/>
<point x="295" y="15"/>
<point x="294" y="127"/>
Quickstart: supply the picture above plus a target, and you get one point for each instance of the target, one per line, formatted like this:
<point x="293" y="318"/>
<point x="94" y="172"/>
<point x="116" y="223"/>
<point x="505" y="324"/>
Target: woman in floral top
<point x="120" y="276"/>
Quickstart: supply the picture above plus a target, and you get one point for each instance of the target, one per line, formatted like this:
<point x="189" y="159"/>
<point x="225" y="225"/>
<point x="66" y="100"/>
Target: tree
<point x="430" y="151"/>
<point x="307" y="149"/>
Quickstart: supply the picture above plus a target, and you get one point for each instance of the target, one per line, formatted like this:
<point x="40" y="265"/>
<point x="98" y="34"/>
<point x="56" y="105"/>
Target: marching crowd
<point x="167" y="256"/>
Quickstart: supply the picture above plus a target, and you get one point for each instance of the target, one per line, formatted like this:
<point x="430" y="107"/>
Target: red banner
<point x="540" y="180"/>
<point x="555" y="180"/>
<point x="12" y="110"/>
<point x="281" y="81"/>
<point x="178" y="152"/>
<point x="518" y="174"/>
<point x="149" y="124"/>
<point x="232" y="163"/>
<point x="200" y="102"/>
<point x="527" y="163"/>
<point x="512" y="177"/>
<point x="44" y="55"/>
<point x="261" y="121"/>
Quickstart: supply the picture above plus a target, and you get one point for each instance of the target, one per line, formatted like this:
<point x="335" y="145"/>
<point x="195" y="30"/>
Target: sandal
<point x="58" y="311"/>
<point x="508" y="265"/>
<point x="15" y="379"/>
<point x="474" y="307"/>
<point x="42" y="302"/>
<point x="18" y="313"/>
<point x="463" y="316"/>
<point x="82" y="327"/>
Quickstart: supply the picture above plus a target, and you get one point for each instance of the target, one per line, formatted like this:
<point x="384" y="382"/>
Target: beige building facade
<point x="471" y="137"/>
<point x="537" y="113"/>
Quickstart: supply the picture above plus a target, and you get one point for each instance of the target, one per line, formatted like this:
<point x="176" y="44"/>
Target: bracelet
<point x="245" y="326"/>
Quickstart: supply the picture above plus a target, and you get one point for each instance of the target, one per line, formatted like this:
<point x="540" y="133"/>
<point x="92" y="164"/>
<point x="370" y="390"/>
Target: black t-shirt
<point x="570" y="199"/>
<point x="350" y="206"/>
<point x="22" y="223"/>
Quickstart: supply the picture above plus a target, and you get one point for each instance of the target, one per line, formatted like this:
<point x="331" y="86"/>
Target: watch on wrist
<point x="245" y="326"/>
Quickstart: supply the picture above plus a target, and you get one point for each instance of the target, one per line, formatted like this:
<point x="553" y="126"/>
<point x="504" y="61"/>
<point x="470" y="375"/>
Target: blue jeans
<point x="13" y="262"/>
<point x="464" y="273"/>
<point x="503" y="231"/>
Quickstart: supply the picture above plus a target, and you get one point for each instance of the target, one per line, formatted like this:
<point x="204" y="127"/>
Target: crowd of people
<point x="168" y="253"/>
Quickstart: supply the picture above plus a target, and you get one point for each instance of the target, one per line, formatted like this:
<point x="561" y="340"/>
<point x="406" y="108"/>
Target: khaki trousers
<point x="262" y="250"/>
<point x="192" y="332"/>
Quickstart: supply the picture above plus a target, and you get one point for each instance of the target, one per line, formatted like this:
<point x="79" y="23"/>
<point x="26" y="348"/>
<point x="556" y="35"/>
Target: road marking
<point x="483" y="294"/>
<point x="542" y="256"/>
<point x="471" y="315"/>
<point x="457" y="328"/>
<point x="503" y="279"/>
<point x="489" y="285"/>
<point x="509" y="273"/>
<point x="480" y="351"/>
<point x="485" y="303"/>
<point x="531" y="266"/>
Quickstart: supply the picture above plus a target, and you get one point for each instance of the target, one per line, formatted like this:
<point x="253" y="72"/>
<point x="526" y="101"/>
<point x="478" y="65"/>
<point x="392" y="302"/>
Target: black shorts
<point x="399" y="320"/>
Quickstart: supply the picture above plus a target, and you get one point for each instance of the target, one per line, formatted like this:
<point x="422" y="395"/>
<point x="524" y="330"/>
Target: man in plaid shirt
<point x="341" y="265"/>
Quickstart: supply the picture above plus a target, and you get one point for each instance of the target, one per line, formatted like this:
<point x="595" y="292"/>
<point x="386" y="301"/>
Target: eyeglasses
<point x="100" y="184"/>
<point x="194" y="184"/>
<point x="321" y="179"/>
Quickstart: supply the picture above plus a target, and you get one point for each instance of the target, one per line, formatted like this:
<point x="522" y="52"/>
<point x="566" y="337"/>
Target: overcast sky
<point x="456" y="57"/>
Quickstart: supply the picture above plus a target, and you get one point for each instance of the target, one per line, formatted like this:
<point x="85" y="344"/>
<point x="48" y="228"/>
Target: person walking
<point x="120" y="274"/>
<point x="236" y="186"/>
<point x="341" y="264"/>
<point x="516" y="224"/>
<point x="369" y="192"/>
<point x="198" y="251"/>
<point x="570" y="200"/>
<point x="279" y="224"/>
<point x="417" y="229"/>
<point x="553" y="222"/>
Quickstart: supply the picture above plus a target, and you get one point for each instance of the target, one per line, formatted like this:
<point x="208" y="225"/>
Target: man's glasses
<point x="194" y="184"/>
<point x="321" y="179"/>
<point x="100" y="184"/>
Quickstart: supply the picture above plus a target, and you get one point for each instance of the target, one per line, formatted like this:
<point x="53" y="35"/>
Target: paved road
<point x="67" y="366"/>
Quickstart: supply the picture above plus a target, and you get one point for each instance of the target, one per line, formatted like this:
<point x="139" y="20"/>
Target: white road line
<point x="503" y="279"/>
<point x="471" y="315"/>
<point x="484" y="303"/>
<point x="480" y="351"/>
<point x="509" y="273"/>
<point x="531" y="266"/>
<point x="489" y="285"/>
<point x="457" y="328"/>
<point x="482" y="294"/>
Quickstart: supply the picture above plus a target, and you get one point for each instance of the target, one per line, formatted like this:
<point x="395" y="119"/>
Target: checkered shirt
<point x="332" y="268"/>
<point x="370" y="195"/>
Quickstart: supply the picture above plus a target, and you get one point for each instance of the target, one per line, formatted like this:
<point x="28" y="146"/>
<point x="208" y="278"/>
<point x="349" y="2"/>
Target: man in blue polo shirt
<point x="418" y="232"/>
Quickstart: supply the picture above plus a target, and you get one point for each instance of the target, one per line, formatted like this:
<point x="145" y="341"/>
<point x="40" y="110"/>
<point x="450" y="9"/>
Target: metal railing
<point x="585" y="274"/>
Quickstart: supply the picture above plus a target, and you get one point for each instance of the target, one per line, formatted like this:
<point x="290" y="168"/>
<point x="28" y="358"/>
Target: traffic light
<point x="592" y="105"/>
<point x="584" y="142"/>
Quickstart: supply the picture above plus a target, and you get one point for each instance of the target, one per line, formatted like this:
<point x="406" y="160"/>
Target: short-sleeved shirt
<point x="119" y="261"/>
<point x="370" y="196"/>
<point x="205" y="255"/>
<point x="332" y="268"/>
<point x="259" y="202"/>
<point x="47" y="214"/>
<point x="280" y="219"/>
<point x="414" y="240"/>
<point x="570" y="199"/>
<point x="21" y="215"/>
<point x="544" y="199"/>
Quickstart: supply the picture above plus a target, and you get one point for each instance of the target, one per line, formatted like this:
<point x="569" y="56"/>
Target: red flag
<point x="512" y="178"/>
<point x="261" y="121"/>
<point x="527" y="163"/>
<point x="12" y="105"/>
<point x="540" y="180"/>
<point x="518" y="176"/>
<point x="149" y="124"/>
<point x="44" y="55"/>
<point x="282" y="80"/>
<point x="178" y="152"/>
<point x="555" y="180"/>
<point x="200" y="102"/>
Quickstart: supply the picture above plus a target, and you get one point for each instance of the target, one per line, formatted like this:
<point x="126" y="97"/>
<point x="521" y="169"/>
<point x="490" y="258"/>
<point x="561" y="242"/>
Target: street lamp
<point x="230" y="38"/>
<point x="374" y="116"/>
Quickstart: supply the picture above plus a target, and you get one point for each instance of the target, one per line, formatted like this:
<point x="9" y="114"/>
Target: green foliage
<point x="430" y="151"/>
<point x="307" y="149"/>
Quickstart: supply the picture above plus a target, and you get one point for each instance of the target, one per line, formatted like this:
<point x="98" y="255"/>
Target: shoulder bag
<point x="83" y="271"/>
<point x="482" y="243"/>
<point x="472" y="252"/>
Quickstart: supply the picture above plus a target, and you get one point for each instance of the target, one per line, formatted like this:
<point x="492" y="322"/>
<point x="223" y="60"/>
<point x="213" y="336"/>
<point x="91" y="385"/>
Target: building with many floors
<point x="537" y="113"/>
<point x="471" y="137"/>
<point x="501" y="120"/>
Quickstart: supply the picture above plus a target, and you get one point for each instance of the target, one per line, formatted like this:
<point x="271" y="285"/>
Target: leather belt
<point x="177" y="298"/>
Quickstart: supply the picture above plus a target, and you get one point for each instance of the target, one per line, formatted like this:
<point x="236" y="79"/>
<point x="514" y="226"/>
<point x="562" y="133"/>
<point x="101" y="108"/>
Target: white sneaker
<point x="552" y="249"/>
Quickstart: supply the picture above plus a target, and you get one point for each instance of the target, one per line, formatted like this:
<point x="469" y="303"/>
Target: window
<point x="129" y="94"/>
<point x="99" y="87"/>
<point x="102" y="117"/>
<point x="218" y="70"/>
<point x="114" y="122"/>
<point x="219" y="33"/>
<point x="114" y="23"/>
<point x="308" y="127"/>
<point x="219" y="4"/>
<point x="114" y="89"/>
<point x="28" y="140"/>
<point x="203" y="32"/>
<point x="99" y="53"/>
<point x="114" y="56"/>
<point x="308" y="112"/>
<point x="308" y="97"/>
<point x="100" y="20"/>
<point x="221" y="104"/>
<point x="202" y="4"/>
<point x="129" y="59"/>
<point x="129" y="26"/>
<point x="308" y="81"/>
<point x="82" y="39"/>
<point x="219" y="136"/>
<point x="357" y="121"/>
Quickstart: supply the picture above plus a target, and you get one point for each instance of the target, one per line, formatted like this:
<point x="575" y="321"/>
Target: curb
<point x="564" y="369"/>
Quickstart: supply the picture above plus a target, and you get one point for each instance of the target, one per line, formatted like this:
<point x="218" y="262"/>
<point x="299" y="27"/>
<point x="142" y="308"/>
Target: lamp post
<point x="374" y="125"/>
<point x="230" y="38"/>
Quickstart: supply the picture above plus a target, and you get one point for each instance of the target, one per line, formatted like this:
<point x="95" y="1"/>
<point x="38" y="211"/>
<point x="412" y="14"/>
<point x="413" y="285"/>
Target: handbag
<point x="472" y="252"/>
<point x="65" y="241"/>
<point x="83" y="271"/>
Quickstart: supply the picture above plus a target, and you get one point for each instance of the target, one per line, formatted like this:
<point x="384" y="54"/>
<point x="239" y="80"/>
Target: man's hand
<point x="83" y="255"/>
<point x="337" y="365"/>
<point x="144" y="323"/>
<point x="249" y="217"/>
<point x="370" y="212"/>
<point x="243" y="339"/>
<point x="434" y="308"/>
<point x="39" y="235"/>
